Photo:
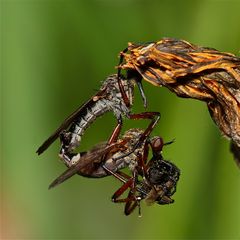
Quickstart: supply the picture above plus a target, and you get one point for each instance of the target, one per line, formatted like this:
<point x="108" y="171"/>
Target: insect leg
<point x="140" y="87"/>
<point x="114" y="136"/>
<point x="136" y="76"/>
<point x="143" y="159"/>
<point x="121" y="58"/>
<point x="116" y="132"/>
<point x="134" y="200"/>
<point x="154" y="116"/>
<point x="121" y="190"/>
<point x="131" y="200"/>
<point x="123" y="93"/>
<point x="124" y="178"/>
<point x="131" y="204"/>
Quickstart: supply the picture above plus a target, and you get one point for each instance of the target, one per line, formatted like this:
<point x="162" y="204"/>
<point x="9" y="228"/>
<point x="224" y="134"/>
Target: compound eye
<point x="157" y="144"/>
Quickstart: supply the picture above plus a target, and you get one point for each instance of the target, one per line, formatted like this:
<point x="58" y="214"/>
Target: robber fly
<point x="90" y="164"/>
<point x="159" y="177"/>
<point x="109" y="98"/>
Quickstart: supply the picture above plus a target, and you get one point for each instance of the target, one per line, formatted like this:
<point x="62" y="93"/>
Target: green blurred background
<point x="54" y="55"/>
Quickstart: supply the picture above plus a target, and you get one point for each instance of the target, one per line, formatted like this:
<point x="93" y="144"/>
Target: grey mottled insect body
<point x="109" y="100"/>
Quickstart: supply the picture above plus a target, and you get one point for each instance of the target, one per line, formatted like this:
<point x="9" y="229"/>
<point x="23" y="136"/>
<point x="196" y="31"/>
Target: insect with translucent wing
<point x="115" y="94"/>
<point x="191" y="71"/>
<point x="159" y="177"/>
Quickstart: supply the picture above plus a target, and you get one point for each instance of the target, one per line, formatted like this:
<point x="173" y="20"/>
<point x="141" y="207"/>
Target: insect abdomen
<point x="85" y="120"/>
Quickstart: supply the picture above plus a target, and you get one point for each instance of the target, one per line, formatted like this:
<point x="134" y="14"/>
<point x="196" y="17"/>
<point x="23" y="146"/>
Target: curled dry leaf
<point x="191" y="71"/>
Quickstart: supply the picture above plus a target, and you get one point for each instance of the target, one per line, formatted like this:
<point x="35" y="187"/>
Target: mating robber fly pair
<point x="158" y="176"/>
<point x="153" y="180"/>
<point x="184" y="68"/>
<point x="189" y="71"/>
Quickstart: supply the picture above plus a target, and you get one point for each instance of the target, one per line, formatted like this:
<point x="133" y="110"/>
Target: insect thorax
<point x="114" y="98"/>
<point x="131" y="161"/>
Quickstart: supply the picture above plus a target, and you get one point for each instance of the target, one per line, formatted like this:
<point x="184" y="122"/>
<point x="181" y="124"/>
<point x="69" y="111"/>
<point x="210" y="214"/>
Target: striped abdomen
<point x="85" y="120"/>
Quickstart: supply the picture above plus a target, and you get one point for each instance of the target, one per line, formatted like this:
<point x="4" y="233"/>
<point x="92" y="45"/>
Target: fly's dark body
<point x="163" y="175"/>
<point x="159" y="178"/>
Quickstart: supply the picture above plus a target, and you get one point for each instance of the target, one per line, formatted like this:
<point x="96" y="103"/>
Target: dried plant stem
<point x="195" y="72"/>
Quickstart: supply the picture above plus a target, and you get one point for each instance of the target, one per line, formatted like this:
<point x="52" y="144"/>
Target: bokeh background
<point x="55" y="54"/>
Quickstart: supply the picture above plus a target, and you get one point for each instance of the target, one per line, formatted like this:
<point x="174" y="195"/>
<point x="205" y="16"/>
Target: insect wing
<point x="85" y="162"/>
<point x="67" y="123"/>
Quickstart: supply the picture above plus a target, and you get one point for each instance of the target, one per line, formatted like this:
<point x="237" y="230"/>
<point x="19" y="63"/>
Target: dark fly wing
<point x="87" y="161"/>
<point x="98" y="147"/>
<point x="67" y="123"/>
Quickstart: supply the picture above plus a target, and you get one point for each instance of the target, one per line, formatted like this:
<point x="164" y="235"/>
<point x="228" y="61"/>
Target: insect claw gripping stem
<point x="140" y="87"/>
<point x="137" y="80"/>
<point x="121" y="88"/>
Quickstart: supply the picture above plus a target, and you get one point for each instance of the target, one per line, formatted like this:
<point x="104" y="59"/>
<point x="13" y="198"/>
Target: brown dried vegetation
<point x="191" y="71"/>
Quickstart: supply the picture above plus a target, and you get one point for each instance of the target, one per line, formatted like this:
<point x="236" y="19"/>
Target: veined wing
<point x="66" y="123"/>
<point x="86" y="163"/>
